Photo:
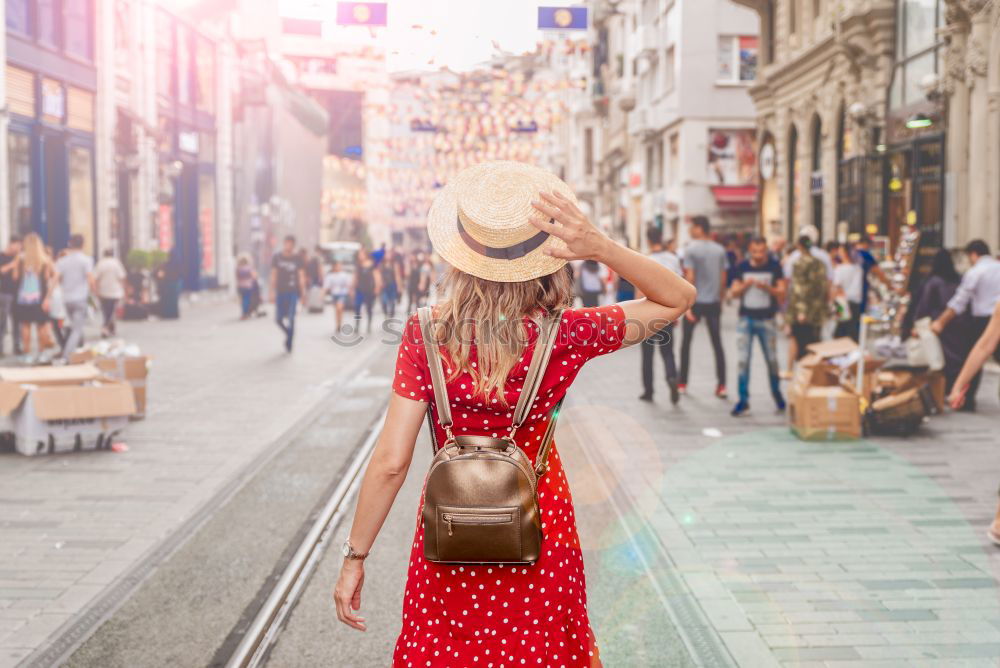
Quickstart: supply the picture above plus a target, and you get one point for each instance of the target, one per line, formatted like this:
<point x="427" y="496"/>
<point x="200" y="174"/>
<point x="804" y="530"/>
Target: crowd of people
<point x="383" y="277"/>
<point x="805" y="292"/>
<point x="46" y="298"/>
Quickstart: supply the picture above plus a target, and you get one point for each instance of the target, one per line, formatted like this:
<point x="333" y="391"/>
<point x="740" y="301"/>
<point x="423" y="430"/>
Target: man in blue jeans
<point x="288" y="284"/>
<point x="759" y="283"/>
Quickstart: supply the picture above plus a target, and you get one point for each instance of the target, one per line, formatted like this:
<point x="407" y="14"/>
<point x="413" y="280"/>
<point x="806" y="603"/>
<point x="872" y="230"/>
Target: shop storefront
<point x="913" y="155"/>
<point x="186" y="224"/>
<point x="50" y="100"/>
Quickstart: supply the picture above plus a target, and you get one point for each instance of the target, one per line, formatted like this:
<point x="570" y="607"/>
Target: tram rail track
<point x="263" y="630"/>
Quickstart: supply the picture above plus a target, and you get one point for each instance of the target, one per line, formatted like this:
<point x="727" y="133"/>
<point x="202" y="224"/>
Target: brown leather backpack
<point x="480" y="495"/>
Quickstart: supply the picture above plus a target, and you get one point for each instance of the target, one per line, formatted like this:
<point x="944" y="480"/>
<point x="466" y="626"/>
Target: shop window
<point x="19" y="180"/>
<point x="78" y="18"/>
<point x="737" y="59"/>
<point x="81" y="195"/>
<point x="18" y="18"/>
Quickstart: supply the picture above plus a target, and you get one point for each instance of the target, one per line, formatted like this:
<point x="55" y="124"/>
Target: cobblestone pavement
<point x="222" y="395"/>
<point x="772" y="551"/>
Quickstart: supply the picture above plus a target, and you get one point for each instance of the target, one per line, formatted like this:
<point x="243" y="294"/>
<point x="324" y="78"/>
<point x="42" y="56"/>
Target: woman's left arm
<point x="383" y="477"/>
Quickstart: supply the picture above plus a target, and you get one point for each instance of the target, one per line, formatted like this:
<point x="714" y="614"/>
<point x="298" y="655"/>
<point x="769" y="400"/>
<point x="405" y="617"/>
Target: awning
<point x="735" y="197"/>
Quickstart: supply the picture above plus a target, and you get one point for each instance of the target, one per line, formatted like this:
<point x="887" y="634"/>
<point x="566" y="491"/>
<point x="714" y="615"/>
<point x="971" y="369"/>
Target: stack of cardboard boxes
<point x="121" y="363"/>
<point x="60" y="409"/>
<point x="827" y="402"/>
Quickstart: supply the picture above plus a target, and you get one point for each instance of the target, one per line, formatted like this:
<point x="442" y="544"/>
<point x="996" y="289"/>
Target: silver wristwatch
<point x="348" y="551"/>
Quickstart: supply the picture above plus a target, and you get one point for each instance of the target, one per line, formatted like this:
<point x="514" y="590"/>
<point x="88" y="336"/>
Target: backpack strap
<point x="424" y="314"/>
<point x="533" y="382"/>
<point x="539" y="361"/>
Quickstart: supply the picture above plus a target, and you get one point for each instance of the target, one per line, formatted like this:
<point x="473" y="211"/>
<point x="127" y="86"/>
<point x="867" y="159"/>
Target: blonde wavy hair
<point x="36" y="259"/>
<point x="490" y="316"/>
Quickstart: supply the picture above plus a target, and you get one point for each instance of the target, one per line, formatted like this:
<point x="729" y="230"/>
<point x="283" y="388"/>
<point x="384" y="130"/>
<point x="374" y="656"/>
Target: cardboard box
<point x="133" y="369"/>
<point x="824" y="413"/>
<point x="835" y="362"/>
<point x="62" y="409"/>
<point x="901" y="379"/>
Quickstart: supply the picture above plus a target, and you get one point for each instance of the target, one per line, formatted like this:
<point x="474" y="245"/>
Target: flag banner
<point x="291" y="26"/>
<point x="562" y="18"/>
<point x="361" y="13"/>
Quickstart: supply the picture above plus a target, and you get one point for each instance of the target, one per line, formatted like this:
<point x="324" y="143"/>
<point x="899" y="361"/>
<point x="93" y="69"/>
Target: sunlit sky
<point x="466" y="30"/>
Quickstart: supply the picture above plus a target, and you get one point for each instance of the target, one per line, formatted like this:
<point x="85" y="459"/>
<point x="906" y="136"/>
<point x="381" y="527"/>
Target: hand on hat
<point x="583" y="240"/>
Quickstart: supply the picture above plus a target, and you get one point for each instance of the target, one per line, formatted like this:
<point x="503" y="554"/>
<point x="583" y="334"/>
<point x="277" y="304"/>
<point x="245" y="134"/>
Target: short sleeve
<point x="411" y="379"/>
<point x="594" y="331"/>
<point x="738" y="271"/>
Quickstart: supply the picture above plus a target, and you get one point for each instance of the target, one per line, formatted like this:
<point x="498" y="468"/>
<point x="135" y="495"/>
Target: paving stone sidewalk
<point x="221" y="393"/>
<point x="796" y="554"/>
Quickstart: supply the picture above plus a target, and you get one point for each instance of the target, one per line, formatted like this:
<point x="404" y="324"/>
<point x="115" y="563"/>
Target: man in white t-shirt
<point x="664" y="339"/>
<point x="75" y="270"/>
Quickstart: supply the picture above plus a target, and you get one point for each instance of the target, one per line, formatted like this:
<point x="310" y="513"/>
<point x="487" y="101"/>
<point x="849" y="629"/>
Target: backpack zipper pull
<point x="447" y="519"/>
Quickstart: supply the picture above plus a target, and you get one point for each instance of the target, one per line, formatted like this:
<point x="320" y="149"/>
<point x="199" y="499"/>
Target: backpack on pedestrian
<point x="480" y="494"/>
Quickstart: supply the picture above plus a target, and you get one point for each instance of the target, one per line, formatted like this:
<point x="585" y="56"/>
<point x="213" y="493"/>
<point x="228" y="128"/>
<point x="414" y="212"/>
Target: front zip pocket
<point x="478" y="533"/>
<point x="475" y="519"/>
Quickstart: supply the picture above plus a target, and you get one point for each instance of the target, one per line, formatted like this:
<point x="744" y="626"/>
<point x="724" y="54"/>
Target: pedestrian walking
<point x="930" y="301"/>
<point x="246" y="280"/>
<point x="590" y="283"/>
<point x="987" y="344"/>
<point x="788" y="264"/>
<point x="807" y="298"/>
<point x="367" y="284"/>
<point x="759" y="284"/>
<point x="109" y="281"/>
<point x="337" y="284"/>
<point x="288" y="286"/>
<point x="978" y="293"/>
<point x="392" y="276"/>
<point x="76" y="278"/>
<point x="417" y="275"/>
<point x="663" y="340"/>
<point x="848" y="288"/>
<point x="516" y="294"/>
<point x="705" y="266"/>
<point x="8" y="294"/>
<point x="35" y="276"/>
<point x="313" y="300"/>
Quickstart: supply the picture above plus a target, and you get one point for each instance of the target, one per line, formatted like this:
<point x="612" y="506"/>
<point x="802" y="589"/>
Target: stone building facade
<point x="970" y="83"/>
<point x="878" y="114"/>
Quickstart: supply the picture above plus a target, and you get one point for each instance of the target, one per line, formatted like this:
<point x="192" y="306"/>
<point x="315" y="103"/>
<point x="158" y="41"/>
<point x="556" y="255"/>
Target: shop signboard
<point x="732" y="157"/>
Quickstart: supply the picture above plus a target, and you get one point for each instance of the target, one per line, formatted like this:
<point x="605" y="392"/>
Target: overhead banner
<point x="361" y="13"/>
<point x="562" y="18"/>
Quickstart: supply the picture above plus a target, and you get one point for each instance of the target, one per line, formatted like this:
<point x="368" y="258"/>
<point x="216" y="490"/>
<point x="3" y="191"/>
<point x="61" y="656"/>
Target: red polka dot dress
<point x="504" y="616"/>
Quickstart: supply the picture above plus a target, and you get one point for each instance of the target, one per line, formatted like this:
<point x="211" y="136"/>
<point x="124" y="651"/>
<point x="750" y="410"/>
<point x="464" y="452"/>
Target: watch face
<point x="346" y="549"/>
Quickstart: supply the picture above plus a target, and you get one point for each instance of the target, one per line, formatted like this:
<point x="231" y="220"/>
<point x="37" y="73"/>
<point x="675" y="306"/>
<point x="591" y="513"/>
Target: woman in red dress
<point x="507" y="230"/>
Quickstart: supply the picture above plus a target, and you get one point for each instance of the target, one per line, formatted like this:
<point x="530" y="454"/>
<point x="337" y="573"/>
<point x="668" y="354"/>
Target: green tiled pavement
<point x="792" y="553"/>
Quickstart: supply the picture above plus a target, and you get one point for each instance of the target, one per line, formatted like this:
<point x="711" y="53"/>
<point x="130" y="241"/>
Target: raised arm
<point x="667" y="295"/>
<point x="383" y="477"/>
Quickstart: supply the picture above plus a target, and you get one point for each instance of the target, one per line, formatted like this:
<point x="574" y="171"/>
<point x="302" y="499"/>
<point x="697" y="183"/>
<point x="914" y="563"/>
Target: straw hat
<point x="480" y="222"/>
